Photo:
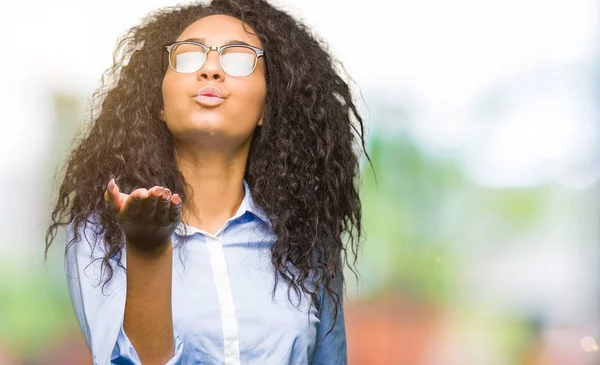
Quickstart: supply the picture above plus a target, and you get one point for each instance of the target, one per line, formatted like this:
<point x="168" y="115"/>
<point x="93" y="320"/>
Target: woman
<point x="208" y="205"/>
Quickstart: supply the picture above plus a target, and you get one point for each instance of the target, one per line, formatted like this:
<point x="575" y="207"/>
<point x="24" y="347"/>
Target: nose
<point x="211" y="69"/>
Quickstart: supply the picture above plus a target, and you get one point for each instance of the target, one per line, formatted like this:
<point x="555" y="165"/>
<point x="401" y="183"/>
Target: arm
<point x="330" y="349"/>
<point x="100" y="309"/>
<point x="148" y="319"/>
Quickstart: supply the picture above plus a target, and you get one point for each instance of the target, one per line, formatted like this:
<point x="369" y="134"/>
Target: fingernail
<point x="166" y="195"/>
<point x="111" y="185"/>
<point x="176" y="199"/>
<point x="157" y="193"/>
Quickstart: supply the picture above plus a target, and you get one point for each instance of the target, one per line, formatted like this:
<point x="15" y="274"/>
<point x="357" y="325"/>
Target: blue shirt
<point x="223" y="309"/>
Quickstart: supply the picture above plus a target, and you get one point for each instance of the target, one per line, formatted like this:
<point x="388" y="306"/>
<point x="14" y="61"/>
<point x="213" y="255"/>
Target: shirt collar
<point x="248" y="205"/>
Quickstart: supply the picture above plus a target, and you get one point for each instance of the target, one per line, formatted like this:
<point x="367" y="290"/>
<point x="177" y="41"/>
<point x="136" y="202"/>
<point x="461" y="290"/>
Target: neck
<point x="215" y="185"/>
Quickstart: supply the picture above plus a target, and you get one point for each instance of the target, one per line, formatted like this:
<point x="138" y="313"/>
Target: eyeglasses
<point x="235" y="59"/>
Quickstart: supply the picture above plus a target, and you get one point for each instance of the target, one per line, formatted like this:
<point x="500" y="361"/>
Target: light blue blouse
<point x="223" y="311"/>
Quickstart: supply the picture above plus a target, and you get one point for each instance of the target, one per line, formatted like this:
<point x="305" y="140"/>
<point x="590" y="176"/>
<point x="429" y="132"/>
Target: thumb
<point x="114" y="197"/>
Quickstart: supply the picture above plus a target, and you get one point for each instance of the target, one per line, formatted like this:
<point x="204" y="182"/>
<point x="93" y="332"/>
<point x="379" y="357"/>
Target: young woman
<point x="212" y="203"/>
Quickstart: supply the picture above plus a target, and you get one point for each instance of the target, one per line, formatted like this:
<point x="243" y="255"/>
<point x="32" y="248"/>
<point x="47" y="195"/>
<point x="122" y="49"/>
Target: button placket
<point x="222" y="281"/>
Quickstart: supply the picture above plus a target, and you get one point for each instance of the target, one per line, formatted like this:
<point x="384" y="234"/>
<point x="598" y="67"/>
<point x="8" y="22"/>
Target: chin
<point x="211" y="126"/>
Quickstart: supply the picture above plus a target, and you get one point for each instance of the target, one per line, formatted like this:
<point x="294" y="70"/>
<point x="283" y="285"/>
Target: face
<point x="232" y="120"/>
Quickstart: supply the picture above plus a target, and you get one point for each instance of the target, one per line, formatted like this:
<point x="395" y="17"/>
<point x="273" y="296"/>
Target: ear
<point x="262" y="116"/>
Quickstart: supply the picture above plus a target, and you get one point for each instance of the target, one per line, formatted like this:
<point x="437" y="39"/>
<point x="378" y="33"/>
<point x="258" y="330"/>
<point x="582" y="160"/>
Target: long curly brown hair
<point x="303" y="164"/>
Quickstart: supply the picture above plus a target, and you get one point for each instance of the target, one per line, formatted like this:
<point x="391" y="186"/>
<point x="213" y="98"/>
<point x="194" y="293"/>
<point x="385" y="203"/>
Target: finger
<point x="162" y="208"/>
<point x="133" y="203"/>
<point x="111" y="196"/>
<point x="148" y="207"/>
<point x="175" y="211"/>
<point x="107" y="193"/>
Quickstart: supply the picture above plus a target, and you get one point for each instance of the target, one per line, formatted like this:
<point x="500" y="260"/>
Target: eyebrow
<point x="226" y="43"/>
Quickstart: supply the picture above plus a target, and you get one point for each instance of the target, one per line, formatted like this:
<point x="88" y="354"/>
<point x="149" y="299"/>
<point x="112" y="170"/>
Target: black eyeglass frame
<point x="258" y="51"/>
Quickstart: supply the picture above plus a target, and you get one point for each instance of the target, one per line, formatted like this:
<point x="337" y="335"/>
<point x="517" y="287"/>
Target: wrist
<point x="148" y="250"/>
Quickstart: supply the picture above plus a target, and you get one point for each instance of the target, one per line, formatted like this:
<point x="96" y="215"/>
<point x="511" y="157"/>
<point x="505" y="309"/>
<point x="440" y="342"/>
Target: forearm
<point x="148" y="319"/>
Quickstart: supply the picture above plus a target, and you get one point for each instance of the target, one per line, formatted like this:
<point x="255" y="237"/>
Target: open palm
<point x="148" y="217"/>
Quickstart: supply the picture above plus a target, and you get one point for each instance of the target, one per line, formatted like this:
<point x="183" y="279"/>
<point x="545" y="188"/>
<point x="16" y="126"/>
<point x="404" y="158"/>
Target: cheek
<point x="254" y="99"/>
<point x="248" y="111"/>
<point x="171" y="93"/>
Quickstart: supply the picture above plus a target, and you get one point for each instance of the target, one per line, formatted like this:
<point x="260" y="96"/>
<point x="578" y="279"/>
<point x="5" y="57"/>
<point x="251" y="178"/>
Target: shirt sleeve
<point x="100" y="308"/>
<point x="330" y="349"/>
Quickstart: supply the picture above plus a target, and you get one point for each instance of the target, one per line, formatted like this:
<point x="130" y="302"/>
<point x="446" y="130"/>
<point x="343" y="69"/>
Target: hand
<point x="148" y="217"/>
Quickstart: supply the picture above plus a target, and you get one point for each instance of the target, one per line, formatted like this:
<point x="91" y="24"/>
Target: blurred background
<point x="483" y="127"/>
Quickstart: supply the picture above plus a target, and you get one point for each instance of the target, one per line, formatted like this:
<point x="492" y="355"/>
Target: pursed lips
<point x="210" y="91"/>
<point x="208" y="101"/>
<point x="210" y="95"/>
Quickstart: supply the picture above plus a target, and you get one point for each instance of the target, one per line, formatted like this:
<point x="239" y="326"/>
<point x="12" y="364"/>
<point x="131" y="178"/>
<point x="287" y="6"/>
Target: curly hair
<point x="303" y="163"/>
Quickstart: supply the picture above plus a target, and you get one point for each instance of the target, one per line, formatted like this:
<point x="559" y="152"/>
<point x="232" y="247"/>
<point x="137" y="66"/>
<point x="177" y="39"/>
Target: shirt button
<point x="230" y="351"/>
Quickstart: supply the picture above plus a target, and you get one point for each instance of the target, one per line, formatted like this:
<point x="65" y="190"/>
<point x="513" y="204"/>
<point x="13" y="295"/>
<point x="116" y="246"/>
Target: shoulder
<point x="86" y="247"/>
<point x="84" y="237"/>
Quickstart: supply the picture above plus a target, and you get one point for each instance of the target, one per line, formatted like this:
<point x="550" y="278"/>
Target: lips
<point x="209" y="96"/>
<point x="208" y="101"/>
<point x="210" y="91"/>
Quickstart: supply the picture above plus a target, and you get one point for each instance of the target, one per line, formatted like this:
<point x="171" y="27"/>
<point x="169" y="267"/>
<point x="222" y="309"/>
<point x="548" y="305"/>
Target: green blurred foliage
<point x="406" y="238"/>
<point x="35" y="306"/>
<point x="424" y="218"/>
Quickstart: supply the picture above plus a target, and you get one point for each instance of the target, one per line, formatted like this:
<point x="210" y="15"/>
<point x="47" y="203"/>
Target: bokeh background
<point x="483" y="127"/>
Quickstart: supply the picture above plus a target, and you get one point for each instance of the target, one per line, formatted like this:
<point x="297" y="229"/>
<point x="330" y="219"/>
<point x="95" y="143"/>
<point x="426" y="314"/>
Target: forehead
<point x="218" y="29"/>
